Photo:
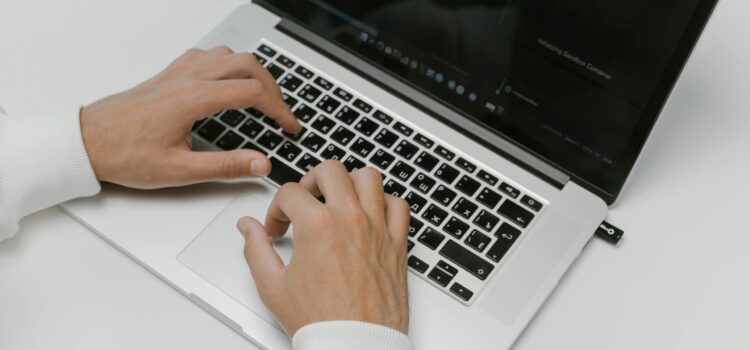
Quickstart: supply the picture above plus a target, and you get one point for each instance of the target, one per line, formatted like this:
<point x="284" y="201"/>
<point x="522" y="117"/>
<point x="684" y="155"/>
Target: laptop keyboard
<point x="464" y="219"/>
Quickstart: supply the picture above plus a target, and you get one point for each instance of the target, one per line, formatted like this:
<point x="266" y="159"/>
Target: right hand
<point x="349" y="260"/>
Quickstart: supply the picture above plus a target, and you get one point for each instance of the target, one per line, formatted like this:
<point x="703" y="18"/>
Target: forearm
<point x="43" y="162"/>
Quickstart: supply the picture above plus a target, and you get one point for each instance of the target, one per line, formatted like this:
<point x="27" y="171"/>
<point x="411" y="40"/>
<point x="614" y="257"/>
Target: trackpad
<point x="216" y="254"/>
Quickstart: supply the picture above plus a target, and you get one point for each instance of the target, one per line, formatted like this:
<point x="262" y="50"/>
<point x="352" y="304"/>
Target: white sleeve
<point x="349" y="335"/>
<point x="43" y="162"/>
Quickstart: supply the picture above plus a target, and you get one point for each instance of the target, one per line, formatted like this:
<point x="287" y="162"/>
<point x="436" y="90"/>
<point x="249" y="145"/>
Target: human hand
<point x="349" y="260"/>
<point x="141" y="138"/>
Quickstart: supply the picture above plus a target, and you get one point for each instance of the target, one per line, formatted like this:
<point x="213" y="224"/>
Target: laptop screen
<point x="578" y="83"/>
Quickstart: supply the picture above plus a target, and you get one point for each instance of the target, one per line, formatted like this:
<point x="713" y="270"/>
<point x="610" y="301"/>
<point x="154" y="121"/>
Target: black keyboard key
<point x="309" y="93"/>
<point x="509" y="190"/>
<point x="333" y="153"/>
<point x="351" y="163"/>
<point x="343" y="136"/>
<point x="270" y="122"/>
<point x="366" y="126"/>
<point x="409" y="245"/>
<point x="478" y="241"/>
<point x="251" y="128"/>
<point x="506" y="236"/>
<point x="443" y="195"/>
<point x="465" y="208"/>
<point x="394" y="188"/>
<point x="291" y="83"/>
<point x="486" y="220"/>
<point x="434" y="215"/>
<point x="447" y="173"/>
<point x="414" y="226"/>
<point x="254" y="147"/>
<point x="402" y="171"/>
<point x="254" y="112"/>
<point x="456" y="227"/>
<point x="304" y="113"/>
<point x="468" y="185"/>
<point x="285" y="61"/>
<point x="487" y="177"/>
<point x="296" y="137"/>
<point x="431" y="238"/>
<point x="382" y="159"/>
<point x="347" y="115"/>
<point x="417" y="264"/>
<point x="290" y="101"/>
<point x="282" y="173"/>
<point x="342" y="94"/>
<point x="426" y="161"/>
<point x="211" y="130"/>
<point x="489" y="197"/>
<point x="416" y="203"/>
<point x="362" y="106"/>
<point x="198" y="124"/>
<point x="289" y="151"/>
<point x="270" y="140"/>
<point x="262" y="60"/>
<point x="275" y="70"/>
<point x="424" y="141"/>
<point x="515" y="213"/>
<point x="440" y="277"/>
<point x="403" y="129"/>
<point x="323" y="124"/>
<point x="423" y="183"/>
<point x="386" y="138"/>
<point x="445" y="153"/>
<point x="462" y="292"/>
<point x="382" y="117"/>
<point x="466" y="165"/>
<point x="467" y="260"/>
<point x="233" y="117"/>
<point x="304" y="72"/>
<point x="307" y="162"/>
<point x="323" y="83"/>
<point x="313" y="142"/>
<point x="362" y="147"/>
<point x="406" y="149"/>
<point x="230" y="141"/>
<point x="328" y="104"/>
<point x="448" y="268"/>
<point x="267" y="51"/>
<point x="532" y="203"/>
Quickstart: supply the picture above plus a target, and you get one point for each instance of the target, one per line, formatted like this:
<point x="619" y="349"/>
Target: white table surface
<point x="679" y="280"/>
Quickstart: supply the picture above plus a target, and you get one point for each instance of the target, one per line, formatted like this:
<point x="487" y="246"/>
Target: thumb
<point x="265" y="264"/>
<point x="210" y="166"/>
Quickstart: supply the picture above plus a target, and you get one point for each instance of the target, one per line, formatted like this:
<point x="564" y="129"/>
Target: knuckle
<point x="254" y="88"/>
<point x="370" y="174"/>
<point x="224" y="49"/>
<point x="332" y="165"/>
<point x="193" y="51"/>
<point x="228" y="168"/>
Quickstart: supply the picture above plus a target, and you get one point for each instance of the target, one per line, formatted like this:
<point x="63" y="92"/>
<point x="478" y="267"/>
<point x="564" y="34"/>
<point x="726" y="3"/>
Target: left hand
<point x="141" y="138"/>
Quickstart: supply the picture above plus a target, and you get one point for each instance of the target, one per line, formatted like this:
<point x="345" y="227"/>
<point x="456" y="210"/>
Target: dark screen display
<point x="578" y="83"/>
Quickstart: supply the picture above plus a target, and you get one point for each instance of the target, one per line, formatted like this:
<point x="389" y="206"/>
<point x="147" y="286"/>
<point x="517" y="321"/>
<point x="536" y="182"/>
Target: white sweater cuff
<point x="349" y="335"/>
<point x="44" y="163"/>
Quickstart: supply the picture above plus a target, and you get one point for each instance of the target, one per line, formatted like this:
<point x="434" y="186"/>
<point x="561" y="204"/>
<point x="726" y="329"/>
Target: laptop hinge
<point x="436" y="109"/>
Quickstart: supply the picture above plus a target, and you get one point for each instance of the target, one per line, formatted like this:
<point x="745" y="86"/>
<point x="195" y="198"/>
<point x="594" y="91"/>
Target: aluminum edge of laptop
<point x="153" y="228"/>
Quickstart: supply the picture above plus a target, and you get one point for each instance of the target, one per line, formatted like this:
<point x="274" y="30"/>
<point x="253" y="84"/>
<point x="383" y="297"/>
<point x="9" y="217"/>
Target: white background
<point x="680" y="279"/>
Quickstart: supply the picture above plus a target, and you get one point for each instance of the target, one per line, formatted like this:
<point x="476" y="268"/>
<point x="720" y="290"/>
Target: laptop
<point x="508" y="126"/>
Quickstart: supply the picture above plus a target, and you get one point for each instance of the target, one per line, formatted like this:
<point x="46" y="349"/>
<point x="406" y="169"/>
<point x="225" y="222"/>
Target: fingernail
<point x="258" y="167"/>
<point x="243" y="225"/>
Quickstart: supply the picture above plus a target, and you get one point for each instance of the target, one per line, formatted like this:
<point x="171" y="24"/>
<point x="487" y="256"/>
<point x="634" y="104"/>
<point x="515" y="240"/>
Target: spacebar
<point x="282" y="173"/>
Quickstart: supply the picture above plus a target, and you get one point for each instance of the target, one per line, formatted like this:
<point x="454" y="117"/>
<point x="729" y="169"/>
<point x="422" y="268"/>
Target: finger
<point x="218" y="51"/>
<point x="244" y="93"/>
<point x="245" y="65"/>
<point x="369" y="186"/>
<point x="291" y="203"/>
<point x="332" y="181"/>
<point x="397" y="219"/>
<point x="195" y="167"/>
<point x="265" y="264"/>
